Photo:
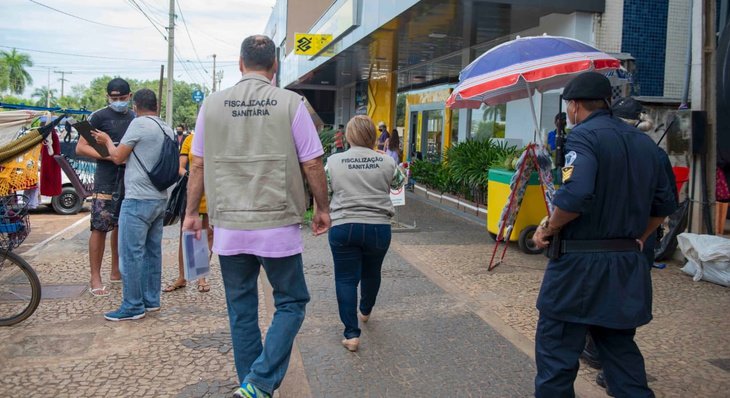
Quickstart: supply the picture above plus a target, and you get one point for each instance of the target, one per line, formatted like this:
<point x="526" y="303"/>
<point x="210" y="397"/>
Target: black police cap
<point x="588" y="86"/>
<point x="627" y="108"/>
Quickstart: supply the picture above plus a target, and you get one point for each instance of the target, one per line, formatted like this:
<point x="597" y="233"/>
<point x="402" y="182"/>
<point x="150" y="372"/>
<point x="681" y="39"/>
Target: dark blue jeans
<point x="263" y="365"/>
<point x="358" y="251"/>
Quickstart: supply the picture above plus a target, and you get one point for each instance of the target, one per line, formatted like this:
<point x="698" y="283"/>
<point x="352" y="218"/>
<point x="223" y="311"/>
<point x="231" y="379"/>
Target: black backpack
<point x="165" y="172"/>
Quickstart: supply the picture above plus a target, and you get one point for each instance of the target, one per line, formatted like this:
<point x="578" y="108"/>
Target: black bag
<point x="677" y="224"/>
<point x="176" y="203"/>
<point x="165" y="172"/>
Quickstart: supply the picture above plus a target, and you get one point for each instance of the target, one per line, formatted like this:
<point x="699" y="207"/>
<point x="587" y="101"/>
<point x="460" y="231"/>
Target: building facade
<point x="383" y="49"/>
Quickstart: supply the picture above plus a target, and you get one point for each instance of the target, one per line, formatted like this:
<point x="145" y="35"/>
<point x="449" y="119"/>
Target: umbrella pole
<point x="532" y="109"/>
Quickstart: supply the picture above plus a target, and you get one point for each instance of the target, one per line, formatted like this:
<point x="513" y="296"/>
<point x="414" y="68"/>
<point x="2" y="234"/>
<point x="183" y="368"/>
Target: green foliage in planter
<point x="465" y="169"/>
<point x="425" y="172"/>
<point x="327" y="138"/>
<point x="469" y="161"/>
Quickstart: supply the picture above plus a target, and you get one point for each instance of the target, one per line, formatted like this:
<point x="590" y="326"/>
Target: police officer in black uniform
<point x="614" y="195"/>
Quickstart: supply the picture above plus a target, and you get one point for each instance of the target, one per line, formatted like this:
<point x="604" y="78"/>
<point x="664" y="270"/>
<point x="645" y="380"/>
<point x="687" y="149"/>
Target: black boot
<point x="601" y="381"/>
<point x="590" y="353"/>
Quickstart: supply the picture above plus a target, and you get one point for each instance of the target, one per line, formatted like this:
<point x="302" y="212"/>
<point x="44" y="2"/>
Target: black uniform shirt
<point x="616" y="183"/>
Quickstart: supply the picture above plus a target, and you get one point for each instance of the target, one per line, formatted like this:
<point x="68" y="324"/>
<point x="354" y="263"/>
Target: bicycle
<point x="20" y="288"/>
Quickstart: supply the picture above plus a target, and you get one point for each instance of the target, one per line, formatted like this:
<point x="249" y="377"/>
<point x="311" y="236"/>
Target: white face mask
<point x="568" y="122"/>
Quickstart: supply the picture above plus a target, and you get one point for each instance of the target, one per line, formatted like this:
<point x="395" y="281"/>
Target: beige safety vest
<point x="253" y="179"/>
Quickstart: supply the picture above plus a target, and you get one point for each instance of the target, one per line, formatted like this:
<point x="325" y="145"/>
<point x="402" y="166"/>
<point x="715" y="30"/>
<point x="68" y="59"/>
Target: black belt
<point x="598" y="246"/>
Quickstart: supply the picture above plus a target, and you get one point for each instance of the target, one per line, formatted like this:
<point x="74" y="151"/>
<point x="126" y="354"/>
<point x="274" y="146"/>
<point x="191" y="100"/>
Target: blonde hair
<point x="361" y="131"/>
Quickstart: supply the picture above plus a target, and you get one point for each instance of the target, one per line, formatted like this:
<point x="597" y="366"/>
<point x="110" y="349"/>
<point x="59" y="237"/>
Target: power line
<point x="135" y="5"/>
<point x="177" y="56"/>
<point x="98" y="56"/>
<point x="153" y="8"/>
<point x="180" y="60"/>
<point x="150" y="7"/>
<point x="83" y="19"/>
<point x="82" y="55"/>
<point x="195" y="51"/>
<point x="153" y="11"/>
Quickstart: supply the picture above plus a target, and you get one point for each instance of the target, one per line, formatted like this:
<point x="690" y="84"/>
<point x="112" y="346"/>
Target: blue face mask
<point x="119" y="106"/>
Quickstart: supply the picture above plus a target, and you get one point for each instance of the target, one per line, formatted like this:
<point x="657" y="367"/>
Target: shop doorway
<point x="432" y="136"/>
<point x="426" y="132"/>
<point x="413" y="154"/>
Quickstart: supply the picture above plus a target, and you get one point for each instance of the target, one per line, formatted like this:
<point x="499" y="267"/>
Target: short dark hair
<point x="258" y="52"/>
<point x="594" y="105"/>
<point x="145" y="99"/>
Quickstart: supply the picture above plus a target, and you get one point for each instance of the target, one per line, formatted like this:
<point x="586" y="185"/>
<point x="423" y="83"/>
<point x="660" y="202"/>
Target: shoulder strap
<point x="163" y="133"/>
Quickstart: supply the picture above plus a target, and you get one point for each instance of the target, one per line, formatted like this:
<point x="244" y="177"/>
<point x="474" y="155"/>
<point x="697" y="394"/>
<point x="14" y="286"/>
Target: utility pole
<point x="170" y="62"/>
<point x="62" y="79"/>
<point x="159" y="89"/>
<point x="214" y="77"/>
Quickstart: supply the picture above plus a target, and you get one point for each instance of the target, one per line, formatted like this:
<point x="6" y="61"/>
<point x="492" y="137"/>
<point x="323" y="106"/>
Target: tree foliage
<point x="45" y="96"/>
<point x="93" y="96"/>
<point x="16" y="77"/>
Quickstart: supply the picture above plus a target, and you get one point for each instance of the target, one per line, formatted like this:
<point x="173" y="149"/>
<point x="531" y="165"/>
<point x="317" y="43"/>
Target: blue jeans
<point x="140" y="253"/>
<point x="263" y="365"/>
<point x="358" y="251"/>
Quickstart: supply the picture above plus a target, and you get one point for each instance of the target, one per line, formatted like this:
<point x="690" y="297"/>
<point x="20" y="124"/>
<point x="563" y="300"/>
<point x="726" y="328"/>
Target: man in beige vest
<point x="252" y="145"/>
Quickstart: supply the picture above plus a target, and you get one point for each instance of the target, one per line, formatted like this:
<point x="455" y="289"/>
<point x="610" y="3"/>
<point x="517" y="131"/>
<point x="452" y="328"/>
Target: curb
<point x="70" y="231"/>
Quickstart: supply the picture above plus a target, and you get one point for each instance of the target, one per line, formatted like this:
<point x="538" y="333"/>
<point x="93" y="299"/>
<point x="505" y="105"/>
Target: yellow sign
<point x="310" y="44"/>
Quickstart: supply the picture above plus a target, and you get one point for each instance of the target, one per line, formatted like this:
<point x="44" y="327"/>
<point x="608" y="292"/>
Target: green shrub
<point x="425" y="172"/>
<point x="327" y="138"/>
<point x="469" y="161"/>
<point x="464" y="172"/>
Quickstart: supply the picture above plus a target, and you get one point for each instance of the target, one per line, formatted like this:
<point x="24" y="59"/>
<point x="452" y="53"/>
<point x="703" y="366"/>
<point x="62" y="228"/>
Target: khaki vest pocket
<point x="251" y="183"/>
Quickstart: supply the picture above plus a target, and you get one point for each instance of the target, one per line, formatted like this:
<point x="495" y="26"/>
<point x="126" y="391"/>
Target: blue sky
<point x="215" y="27"/>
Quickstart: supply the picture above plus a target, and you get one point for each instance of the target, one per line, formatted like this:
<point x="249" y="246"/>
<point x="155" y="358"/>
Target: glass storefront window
<point x="488" y="122"/>
<point x="434" y="132"/>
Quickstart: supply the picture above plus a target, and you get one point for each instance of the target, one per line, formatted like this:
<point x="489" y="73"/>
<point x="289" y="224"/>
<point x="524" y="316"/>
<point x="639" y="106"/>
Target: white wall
<point x="609" y="27"/>
<point x="520" y="124"/>
<point x="675" y="64"/>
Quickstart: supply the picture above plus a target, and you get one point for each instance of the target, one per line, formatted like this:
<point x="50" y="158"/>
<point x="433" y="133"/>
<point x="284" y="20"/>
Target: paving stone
<point x="419" y="340"/>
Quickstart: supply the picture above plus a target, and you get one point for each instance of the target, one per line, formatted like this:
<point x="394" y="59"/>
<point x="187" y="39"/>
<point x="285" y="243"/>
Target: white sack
<point x="708" y="257"/>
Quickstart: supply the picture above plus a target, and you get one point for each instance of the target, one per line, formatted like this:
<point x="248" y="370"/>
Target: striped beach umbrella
<point x="516" y="69"/>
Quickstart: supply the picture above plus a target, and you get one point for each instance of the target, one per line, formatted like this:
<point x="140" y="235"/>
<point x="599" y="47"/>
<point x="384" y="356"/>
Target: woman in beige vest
<point x="359" y="182"/>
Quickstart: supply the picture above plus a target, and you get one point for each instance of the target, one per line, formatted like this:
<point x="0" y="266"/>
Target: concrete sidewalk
<point x="443" y="325"/>
<point x="685" y="347"/>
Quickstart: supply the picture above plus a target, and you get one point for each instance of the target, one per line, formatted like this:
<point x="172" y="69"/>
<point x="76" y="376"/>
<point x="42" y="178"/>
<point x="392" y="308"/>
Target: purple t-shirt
<point x="274" y="242"/>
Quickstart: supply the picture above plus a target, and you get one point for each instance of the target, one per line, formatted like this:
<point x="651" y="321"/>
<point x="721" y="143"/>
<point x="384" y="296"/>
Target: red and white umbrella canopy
<point x="512" y="70"/>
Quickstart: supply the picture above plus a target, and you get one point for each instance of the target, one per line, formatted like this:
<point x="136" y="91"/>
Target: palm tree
<point x="4" y="78"/>
<point x="44" y="93"/>
<point x="16" y="63"/>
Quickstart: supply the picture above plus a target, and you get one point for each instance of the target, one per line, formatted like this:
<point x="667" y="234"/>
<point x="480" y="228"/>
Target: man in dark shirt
<point x="560" y="122"/>
<point x="108" y="180"/>
<point x="384" y="135"/>
<point x="614" y="195"/>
